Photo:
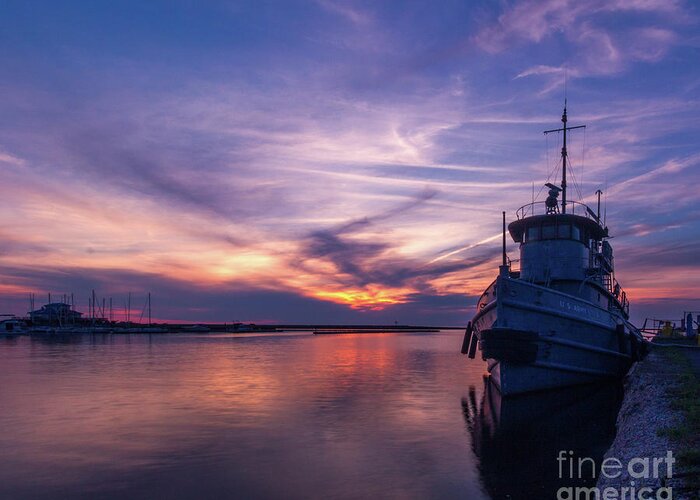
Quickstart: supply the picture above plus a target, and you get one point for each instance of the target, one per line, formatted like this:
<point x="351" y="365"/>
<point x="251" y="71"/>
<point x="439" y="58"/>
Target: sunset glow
<point x="332" y="161"/>
<point x="366" y="299"/>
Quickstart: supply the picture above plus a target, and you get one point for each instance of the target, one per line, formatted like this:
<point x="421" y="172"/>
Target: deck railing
<point x="572" y="207"/>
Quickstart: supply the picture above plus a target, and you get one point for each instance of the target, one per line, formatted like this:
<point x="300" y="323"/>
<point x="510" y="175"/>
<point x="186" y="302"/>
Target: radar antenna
<point x="551" y="202"/>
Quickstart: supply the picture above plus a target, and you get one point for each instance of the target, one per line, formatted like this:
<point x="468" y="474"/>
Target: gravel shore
<point x="645" y="412"/>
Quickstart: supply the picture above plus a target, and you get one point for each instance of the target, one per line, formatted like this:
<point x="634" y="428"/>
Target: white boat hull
<point x="536" y="338"/>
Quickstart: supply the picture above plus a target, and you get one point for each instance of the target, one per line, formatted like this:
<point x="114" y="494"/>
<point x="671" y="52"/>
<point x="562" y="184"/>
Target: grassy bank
<point x="685" y="398"/>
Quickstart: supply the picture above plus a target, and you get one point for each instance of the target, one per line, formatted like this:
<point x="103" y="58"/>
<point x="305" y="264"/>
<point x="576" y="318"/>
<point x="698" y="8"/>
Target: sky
<point x="336" y="161"/>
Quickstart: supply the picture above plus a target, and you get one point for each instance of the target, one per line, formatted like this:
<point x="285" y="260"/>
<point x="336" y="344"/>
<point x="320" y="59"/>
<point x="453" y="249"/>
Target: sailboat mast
<point x="563" y="163"/>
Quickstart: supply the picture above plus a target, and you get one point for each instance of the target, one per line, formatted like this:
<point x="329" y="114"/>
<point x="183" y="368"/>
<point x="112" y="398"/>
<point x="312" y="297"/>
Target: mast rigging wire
<point x="555" y="173"/>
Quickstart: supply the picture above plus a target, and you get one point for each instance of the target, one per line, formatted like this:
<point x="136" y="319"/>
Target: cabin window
<point x="533" y="233"/>
<point x="549" y="232"/>
<point x="564" y="231"/>
<point x="575" y="233"/>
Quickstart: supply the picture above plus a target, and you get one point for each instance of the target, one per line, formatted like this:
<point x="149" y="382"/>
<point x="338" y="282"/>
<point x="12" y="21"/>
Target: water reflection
<point x="240" y="416"/>
<point x="517" y="440"/>
<point x="276" y="416"/>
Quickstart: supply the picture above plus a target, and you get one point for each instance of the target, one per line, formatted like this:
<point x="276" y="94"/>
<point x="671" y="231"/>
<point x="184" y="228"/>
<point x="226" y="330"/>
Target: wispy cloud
<point x="344" y="9"/>
<point x="9" y="159"/>
<point x="597" y="44"/>
<point x="355" y="154"/>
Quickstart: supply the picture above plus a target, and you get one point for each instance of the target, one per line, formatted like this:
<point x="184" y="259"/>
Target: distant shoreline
<point x="165" y="328"/>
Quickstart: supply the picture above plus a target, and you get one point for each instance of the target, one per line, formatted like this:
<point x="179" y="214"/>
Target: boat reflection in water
<point x="518" y="439"/>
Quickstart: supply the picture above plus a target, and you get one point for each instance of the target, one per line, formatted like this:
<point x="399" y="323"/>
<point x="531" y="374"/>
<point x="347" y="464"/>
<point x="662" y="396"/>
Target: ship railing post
<point x="504" y="268"/>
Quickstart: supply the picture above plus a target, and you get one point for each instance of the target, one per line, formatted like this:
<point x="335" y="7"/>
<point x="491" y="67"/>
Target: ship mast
<point x="564" y="155"/>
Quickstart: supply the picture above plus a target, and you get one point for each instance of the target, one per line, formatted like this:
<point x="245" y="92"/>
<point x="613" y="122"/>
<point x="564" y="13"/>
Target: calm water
<point x="282" y="415"/>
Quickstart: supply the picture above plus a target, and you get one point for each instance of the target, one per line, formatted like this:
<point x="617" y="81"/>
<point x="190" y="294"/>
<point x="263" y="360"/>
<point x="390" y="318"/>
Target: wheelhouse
<point x="567" y="251"/>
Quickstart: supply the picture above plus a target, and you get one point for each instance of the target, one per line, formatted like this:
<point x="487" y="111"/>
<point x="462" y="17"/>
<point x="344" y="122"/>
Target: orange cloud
<point x="372" y="297"/>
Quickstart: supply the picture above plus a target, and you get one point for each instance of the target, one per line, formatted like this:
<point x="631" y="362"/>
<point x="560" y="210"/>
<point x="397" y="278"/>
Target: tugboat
<point x="563" y="318"/>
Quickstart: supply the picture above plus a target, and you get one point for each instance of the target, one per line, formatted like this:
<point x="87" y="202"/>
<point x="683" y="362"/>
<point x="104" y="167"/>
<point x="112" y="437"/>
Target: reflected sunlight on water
<point x="288" y="415"/>
<point x="291" y="415"/>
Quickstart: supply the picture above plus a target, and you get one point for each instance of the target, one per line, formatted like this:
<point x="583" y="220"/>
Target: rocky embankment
<point x="647" y="426"/>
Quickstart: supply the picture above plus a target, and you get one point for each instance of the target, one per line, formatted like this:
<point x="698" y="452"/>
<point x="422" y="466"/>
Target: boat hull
<point x="536" y="338"/>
